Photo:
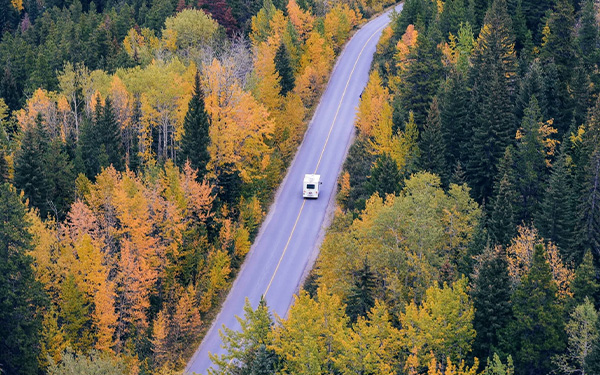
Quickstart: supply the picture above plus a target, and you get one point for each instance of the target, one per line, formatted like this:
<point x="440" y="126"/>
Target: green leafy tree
<point x="582" y="331"/>
<point x="247" y="350"/>
<point x="537" y="331"/>
<point x="94" y="363"/>
<point x="491" y="295"/>
<point x="195" y="140"/>
<point x="21" y="294"/>
<point x="76" y="315"/>
<point x="496" y="367"/>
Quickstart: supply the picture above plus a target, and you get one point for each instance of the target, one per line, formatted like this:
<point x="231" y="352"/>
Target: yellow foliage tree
<point x="339" y="22"/>
<point x="303" y="21"/>
<point x="315" y="63"/>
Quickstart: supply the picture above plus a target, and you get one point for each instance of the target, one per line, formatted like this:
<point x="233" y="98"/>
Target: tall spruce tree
<point x="384" y="177"/>
<point x="535" y="11"/>
<point x="491" y="299"/>
<point x="493" y="78"/>
<point x="454" y="103"/>
<point x="21" y="294"/>
<point x="559" y="47"/>
<point x="530" y="162"/>
<point x="585" y="283"/>
<point x="30" y="167"/>
<point x="361" y="297"/>
<point x="61" y="179"/>
<point x="284" y="69"/>
<point x="501" y="223"/>
<point x="421" y="79"/>
<point x="556" y="217"/>
<point x="537" y="330"/>
<point x="110" y="136"/>
<point x="432" y="144"/>
<point x="588" y="37"/>
<point x="196" y="138"/>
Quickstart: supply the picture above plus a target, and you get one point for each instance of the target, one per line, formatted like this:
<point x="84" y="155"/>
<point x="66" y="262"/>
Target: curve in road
<point x="289" y="238"/>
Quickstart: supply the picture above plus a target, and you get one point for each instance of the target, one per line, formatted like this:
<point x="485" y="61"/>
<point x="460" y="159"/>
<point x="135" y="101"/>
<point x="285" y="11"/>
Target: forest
<point x="141" y="143"/>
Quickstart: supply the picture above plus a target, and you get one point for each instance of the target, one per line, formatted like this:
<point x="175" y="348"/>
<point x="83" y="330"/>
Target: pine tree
<point x="530" y="162"/>
<point x="89" y="145"/>
<point x="556" y="217"/>
<point x="502" y="221"/>
<point x="3" y="167"/>
<point x="585" y="284"/>
<point x="491" y="299"/>
<point x="30" y="168"/>
<point x="61" y="178"/>
<point x="589" y="207"/>
<point x="421" y="80"/>
<point x="432" y="143"/>
<point x="21" y="294"/>
<point x="110" y="136"/>
<point x="532" y="84"/>
<point x="196" y="137"/>
<point x="493" y="76"/>
<point x="361" y="297"/>
<point x="284" y="69"/>
<point x="588" y="36"/>
<point x="535" y="11"/>
<point x="454" y="103"/>
<point x="384" y="178"/>
<point x="537" y="331"/>
<point x="559" y="46"/>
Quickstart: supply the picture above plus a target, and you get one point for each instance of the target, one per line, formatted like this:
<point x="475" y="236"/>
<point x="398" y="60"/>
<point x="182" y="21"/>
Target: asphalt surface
<point x="288" y="240"/>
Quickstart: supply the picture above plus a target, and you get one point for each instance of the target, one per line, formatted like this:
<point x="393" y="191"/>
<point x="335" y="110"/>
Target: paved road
<point x="289" y="238"/>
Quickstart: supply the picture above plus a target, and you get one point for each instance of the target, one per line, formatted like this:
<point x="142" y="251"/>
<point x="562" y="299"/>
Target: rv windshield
<point x="310" y="186"/>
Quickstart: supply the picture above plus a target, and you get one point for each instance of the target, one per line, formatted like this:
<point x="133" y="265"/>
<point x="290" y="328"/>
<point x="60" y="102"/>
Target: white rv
<point x="310" y="187"/>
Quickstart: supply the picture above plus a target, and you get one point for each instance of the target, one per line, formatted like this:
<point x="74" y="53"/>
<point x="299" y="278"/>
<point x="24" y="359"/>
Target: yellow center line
<point x="321" y="156"/>
<point x="344" y="94"/>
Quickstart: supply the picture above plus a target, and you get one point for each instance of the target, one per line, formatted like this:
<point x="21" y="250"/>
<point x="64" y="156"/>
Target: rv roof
<point x="311" y="178"/>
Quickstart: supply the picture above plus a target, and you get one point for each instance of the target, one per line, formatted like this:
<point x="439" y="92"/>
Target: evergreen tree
<point x="3" y="167"/>
<point x="421" y="79"/>
<point x="229" y="184"/>
<point x="21" y="294"/>
<point x="581" y="95"/>
<point x="9" y="90"/>
<point x="523" y="36"/>
<point x="30" y="167"/>
<point x="432" y="144"/>
<point x="491" y="299"/>
<point x="537" y="331"/>
<point x="358" y="164"/>
<point x="556" y="217"/>
<point x="532" y="84"/>
<point x="454" y="14"/>
<point x="196" y="137"/>
<point x="61" y="179"/>
<point x="384" y="178"/>
<point x="588" y="38"/>
<point x="502" y="221"/>
<point x="530" y="162"/>
<point x="585" y="284"/>
<point x="535" y="11"/>
<point x="110" y="136"/>
<point x="284" y="69"/>
<point x="589" y="208"/>
<point x="493" y="75"/>
<point x="361" y="297"/>
<point x="559" y="46"/>
<point x="133" y="154"/>
<point x="455" y="101"/>
<point x="89" y="145"/>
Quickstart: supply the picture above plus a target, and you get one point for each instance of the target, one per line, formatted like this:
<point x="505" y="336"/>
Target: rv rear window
<point x="310" y="186"/>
